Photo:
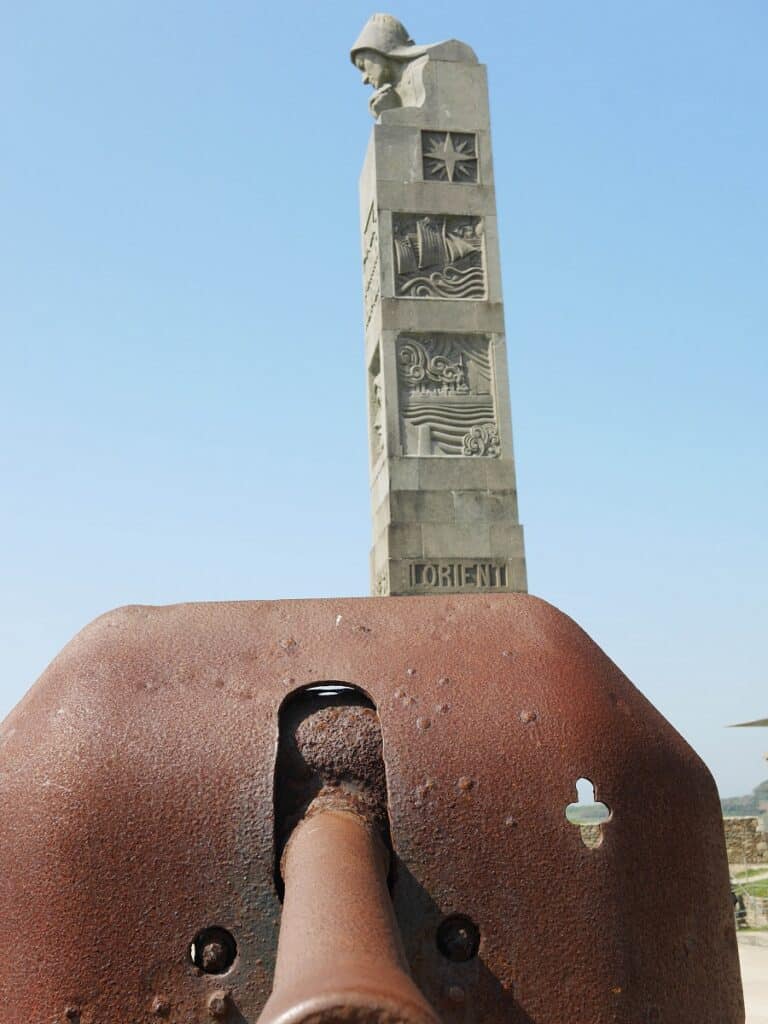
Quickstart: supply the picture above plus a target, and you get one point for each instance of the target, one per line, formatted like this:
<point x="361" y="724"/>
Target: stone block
<point x="437" y="198"/>
<point x="471" y="507"/>
<point x="446" y="542"/>
<point x="403" y="540"/>
<point x="506" y="540"/>
<point x="398" y="156"/>
<point x="380" y="484"/>
<point x="403" y="474"/>
<point x="405" y="314"/>
<point x="517" y="576"/>
<point x="417" y="506"/>
<point x="500" y="474"/>
<point x="452" y="473"/>
<point x="466" y="84"/>
<point x="381" y="517"/>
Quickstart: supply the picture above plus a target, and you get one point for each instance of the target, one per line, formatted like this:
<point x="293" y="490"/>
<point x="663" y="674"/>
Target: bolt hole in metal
<point x="458" y="938"/>
<point x="331" y="690"/>
<point x="588" y="814"/>
<point x="213" y="950"/>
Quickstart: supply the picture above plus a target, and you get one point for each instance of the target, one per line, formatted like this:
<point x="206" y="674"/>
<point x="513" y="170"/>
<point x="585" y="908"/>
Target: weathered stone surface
<point x="745" y="842"/>
<point x="443" y="488"/>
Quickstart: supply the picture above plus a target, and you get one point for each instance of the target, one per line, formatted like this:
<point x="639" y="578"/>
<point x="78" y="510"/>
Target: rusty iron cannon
<point x="353" y="810"/>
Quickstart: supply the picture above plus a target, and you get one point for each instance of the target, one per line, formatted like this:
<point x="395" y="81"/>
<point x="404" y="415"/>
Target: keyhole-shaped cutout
<point x="588" y="814"/>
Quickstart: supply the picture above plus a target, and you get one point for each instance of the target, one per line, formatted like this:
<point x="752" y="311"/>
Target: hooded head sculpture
<point x="381" y="52"/>
<point x="386" y="55"/>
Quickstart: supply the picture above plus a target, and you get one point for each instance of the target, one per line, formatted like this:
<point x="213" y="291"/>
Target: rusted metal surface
<point x="136" y="811"/>
<point x="329" y="754"/>
<point x="340" y="956"/>
<point x="339" y="953"/>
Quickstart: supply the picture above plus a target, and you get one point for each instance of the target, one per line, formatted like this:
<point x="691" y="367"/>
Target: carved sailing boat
<point x="453" y="254"/>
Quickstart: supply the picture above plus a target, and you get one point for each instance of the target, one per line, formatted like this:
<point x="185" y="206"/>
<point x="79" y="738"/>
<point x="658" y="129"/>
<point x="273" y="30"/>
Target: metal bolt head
<point x="456" y="994"/>
<point x="214" y="957"/>
<point x="218" y="1004"/>
<point x="160" y="1006"/>
<point x="213" y="950"/>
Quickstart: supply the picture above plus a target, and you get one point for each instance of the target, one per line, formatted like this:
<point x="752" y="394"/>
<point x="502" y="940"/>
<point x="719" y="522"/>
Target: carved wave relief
<point x="446" y="396"/>
<point x="439" y="257"/>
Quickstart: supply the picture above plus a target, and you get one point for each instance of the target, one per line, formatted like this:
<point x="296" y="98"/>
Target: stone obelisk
<point x="442" y="468"/>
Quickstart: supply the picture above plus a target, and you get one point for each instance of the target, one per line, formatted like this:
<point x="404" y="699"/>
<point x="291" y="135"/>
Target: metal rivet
<point x="160" y="1006"/>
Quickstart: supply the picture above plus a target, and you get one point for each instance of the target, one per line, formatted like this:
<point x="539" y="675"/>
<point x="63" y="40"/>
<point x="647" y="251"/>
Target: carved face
<point x="376" y="69"/>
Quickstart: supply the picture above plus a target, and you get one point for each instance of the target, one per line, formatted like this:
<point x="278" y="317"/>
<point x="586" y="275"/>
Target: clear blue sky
<point x="182" y="384"/>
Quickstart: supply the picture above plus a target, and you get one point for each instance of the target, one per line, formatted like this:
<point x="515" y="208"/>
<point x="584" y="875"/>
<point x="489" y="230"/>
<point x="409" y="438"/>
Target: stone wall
<point x="745" y="843"/>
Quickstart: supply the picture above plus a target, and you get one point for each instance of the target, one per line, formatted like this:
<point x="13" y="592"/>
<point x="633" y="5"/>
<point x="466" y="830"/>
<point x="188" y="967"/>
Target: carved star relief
<point x="453" y="154"/>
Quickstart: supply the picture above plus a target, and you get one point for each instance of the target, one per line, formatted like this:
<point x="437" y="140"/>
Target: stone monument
<point x="442" y="468"/>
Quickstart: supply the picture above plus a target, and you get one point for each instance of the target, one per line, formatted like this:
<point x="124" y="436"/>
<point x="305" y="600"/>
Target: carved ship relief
<point x="446" y="396"/>
<point x="439" y="258"/>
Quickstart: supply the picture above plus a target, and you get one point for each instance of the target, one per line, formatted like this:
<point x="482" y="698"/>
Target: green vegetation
<point x="756" y="888"/>
<point x="752" y="804"/>
<point x="588" y="814"/>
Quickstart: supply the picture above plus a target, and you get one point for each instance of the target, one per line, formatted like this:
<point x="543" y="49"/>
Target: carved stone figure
<point x="438" y="257"/>
<point x="392" y="63"/>
<point x="377" y="415"/>
<point x="441" y="460"/>
<point x="446" y="396"/>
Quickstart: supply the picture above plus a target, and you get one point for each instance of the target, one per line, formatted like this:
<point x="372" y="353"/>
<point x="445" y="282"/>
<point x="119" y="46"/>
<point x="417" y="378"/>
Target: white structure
<point x="442" y="467"/>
